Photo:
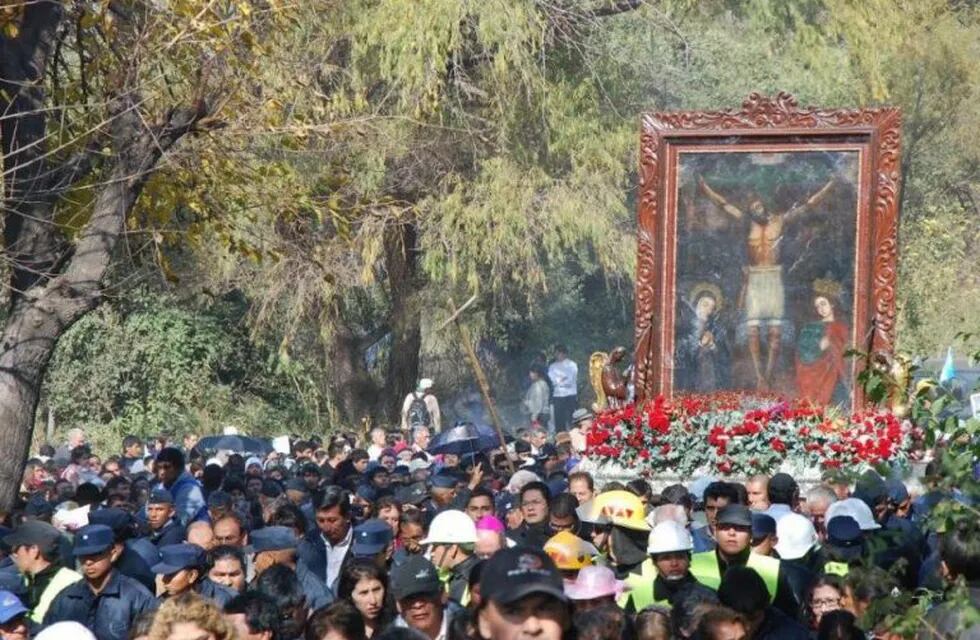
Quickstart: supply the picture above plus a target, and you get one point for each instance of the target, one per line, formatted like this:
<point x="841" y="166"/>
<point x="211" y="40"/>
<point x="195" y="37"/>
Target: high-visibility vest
<point x="704" y="567"/>
<point x="836" y="568"/>
<point x="641" y="588"/>
<point x="61" y="579"/>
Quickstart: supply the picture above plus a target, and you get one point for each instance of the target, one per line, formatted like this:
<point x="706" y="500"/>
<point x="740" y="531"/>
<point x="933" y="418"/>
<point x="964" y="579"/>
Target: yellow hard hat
<point x="569" y="551"/>
<point x="620" y="508"/>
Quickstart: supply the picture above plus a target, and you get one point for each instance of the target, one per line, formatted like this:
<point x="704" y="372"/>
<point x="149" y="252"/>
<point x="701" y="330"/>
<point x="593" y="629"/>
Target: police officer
<point x="105" y="601"/>
<point x="161" y="518"/>
<point x="182" y="569"/>
<point x="277" y="545"/>
<point x="733" y="530"/>
<point x="374" y="540"/>
<point x="34" y="548"/>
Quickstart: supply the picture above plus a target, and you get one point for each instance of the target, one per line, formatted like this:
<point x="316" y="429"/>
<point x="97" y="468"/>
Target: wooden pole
<point x="481" y="377"/>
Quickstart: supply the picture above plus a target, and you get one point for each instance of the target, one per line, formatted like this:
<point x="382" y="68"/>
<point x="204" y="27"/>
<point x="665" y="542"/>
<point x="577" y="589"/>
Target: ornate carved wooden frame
<point x="779" y="120"/>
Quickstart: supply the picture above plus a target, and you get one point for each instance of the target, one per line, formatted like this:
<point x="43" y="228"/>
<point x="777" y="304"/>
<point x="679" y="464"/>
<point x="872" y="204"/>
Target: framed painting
<point x="767" y="249"/>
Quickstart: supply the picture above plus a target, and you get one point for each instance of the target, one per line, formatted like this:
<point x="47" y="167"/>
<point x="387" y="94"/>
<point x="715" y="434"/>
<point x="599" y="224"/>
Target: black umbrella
<point x="238" y="444"/>
<point x="463" y="439"/>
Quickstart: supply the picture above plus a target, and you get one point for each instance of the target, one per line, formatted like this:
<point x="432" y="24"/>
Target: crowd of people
<point x="350" y="538"/>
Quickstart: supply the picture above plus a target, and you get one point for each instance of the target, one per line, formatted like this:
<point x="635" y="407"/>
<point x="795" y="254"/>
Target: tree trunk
<point x="352" y="387"/>
<point x="401" y="262"/>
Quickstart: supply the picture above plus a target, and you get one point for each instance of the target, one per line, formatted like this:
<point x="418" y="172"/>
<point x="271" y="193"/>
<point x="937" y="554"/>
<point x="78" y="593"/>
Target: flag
<point x="949" y="370"/>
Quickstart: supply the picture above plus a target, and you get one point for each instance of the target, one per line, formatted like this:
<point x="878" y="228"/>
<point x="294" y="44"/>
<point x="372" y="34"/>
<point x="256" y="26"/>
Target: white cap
<point x="425" y="383"/>
<point x="796" y="536"/>
<point x="855" y="508"/>
<point x="418" y="464"/>
<point x="65" y="629"/>
<point x="451" y="527"/>
<point x="668" y="537"/>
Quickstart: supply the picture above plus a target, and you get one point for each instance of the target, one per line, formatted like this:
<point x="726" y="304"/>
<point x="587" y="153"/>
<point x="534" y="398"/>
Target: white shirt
<point x="336" y="555"/>
<point x="374" y="451"/>
<point x="564" y="377"/>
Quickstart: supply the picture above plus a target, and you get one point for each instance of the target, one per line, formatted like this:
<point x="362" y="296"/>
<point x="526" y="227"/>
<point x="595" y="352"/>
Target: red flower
<point x="665" y="449"/>
<point x="725" y="466"/>
<point x="777" y="445"/>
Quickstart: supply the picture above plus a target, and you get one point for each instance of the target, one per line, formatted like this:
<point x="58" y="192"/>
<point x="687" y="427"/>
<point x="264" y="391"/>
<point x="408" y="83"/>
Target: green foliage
<point x="151" y="365"/>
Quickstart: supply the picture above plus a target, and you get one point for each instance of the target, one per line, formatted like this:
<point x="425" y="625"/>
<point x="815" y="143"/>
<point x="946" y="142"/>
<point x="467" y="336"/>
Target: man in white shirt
<point x="564" y="381"/>
<point x="327" y="548"/>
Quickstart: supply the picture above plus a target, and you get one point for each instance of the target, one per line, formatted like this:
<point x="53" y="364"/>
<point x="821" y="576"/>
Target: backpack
<point x="418" y="412"/>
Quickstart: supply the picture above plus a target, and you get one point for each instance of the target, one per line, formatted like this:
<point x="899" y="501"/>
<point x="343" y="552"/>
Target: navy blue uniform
<point x="109" y="614"/>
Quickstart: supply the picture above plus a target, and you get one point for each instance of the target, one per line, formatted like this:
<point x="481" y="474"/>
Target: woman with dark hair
<point x="839" y="625"/>
<point x="365" y="586"/>
<point x="823" y="596"/>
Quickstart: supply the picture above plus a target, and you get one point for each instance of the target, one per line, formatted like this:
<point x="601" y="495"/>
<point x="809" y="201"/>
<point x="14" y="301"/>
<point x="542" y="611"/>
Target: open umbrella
<point x="238" y="444"/>
<point x="465" y="438"/>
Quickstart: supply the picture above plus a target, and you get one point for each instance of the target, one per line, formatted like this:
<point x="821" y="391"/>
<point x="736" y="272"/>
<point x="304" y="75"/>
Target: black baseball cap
<point x="413" y="577"/>
<point x="845" y="537"/>
<point x="511" y="574"/>
<point x="33" y="532"/>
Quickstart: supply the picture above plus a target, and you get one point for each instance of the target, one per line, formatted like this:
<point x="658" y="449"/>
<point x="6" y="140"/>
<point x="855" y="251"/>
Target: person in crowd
<point x="105" y="600"/>
<point x="183" y="569"/>
<point x="161" y="517"/>
<point x="187" y="494"/>
<point x="326" y="548"/>
<point x="450" y="542"/>
<point x="280" y="583"/>
<point x="339" y="621"/>
<point x="840" y="625"/>
<point x="592" y="588"/>
<point x="818" y="500"/>
<point x="763" y="534"/>
<point x="959" y="549"/>
<point x="561" y="513"/>
<point x="522" y="596"/>
<point x="14" y="621"/>
<point x="35" y="548"/>
<point x="605" y="621"/>
<point x="570" y="554"/>
<point x="365" y="585"/>
<point x="254" y="616"/>
<point x="489" y="537"/>
<point x="733" y="525"/>
<point x="822" y="596"/>
<point x="421" y="408"/>
<point x="421" y="598"/>
<point x="744" y="591"/>
<point x="277" y="546"/>
<point x="534" y="530"/>
<point x="666" y="577"/>
<point x="721" y="623"/>
<point x="227" y="567"/>
<point x="374" y="541"/>
<point x="784" y="496"/>
<point x="563" y="373"/>
<point x="201" y="534"/>
<point x="537" y="399"/>
<point x="190" y="617"/>
<point x="757" y="491"/>
<point x="577" y="432"/>
<point x="717" y="495"/>
<point x="653" y="623"/>
<point x="479" y="504"/>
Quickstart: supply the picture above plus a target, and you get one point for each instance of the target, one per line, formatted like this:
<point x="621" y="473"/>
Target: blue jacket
<point x="318" y="594"/>
<point x="170" y="533"/>
<point x="312" y="552"/>
<point x="702" y="540"/>
<point x="110" y="614"/>
<point x="189" y="499"/>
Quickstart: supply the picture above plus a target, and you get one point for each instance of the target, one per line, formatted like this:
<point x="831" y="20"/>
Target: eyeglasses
<point x="826" y="603"/>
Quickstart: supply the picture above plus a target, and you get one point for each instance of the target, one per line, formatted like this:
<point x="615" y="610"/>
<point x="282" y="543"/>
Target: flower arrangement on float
<point x="735" y="434"/>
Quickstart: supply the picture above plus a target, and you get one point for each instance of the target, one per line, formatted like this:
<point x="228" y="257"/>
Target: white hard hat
<point x="668" y="537"/>
<point x="855" y="508"/>
<point x="451" y="527"/>
<point x="796" y="536"/>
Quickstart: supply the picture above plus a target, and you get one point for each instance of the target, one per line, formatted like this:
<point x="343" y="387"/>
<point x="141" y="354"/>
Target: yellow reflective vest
<point x="704" y="567"/>
<point x="61" y="579"/>
<point x="641" y="588"/>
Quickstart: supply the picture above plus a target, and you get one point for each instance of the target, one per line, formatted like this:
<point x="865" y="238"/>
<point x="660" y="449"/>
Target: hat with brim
<point x="10" y="607"/>
<point x="735" y="515"/>
<point x="33" y="532"/>
<point x="176" y="557"/>
<point x="594" y="582"/>
<point x="517" y="572"/>
<point x="275" y="538"/>
<point x="92" y="539"/>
